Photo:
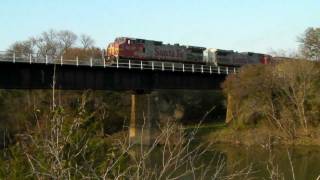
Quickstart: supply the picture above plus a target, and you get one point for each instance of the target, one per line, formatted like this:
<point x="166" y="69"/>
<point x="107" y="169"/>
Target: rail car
<point x="149" y="50"/>
<point x="221" y="57"/>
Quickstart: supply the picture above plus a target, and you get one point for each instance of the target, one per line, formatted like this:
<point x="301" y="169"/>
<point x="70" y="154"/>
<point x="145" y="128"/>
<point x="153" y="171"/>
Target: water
<point x="261" y="161"/>
<point x="305" y="160"/>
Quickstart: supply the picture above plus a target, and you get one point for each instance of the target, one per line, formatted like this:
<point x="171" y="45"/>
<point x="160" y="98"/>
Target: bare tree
<point x="86" y="41"/>
<point x="310" y="43"/>
<point x="48" y="43"/>
<point x="284" y="94"/>
<point x="296" y="83"/>
<point x="54" y="43"/>
<point x="65" y="152"/>
<point x="22" y="47"/>
<point x="66" y="39"/>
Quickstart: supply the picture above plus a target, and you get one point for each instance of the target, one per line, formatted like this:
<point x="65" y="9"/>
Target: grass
<point x="220" y="133"/>
<point x="205" y="129"/>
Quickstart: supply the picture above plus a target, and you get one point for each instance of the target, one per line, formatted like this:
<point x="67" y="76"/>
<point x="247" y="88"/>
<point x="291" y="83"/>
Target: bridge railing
<point x="15" y="57"/>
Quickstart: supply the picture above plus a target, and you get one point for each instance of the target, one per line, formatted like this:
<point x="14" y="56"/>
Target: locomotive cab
<point x="126" y="48"/>
<point x="115" y="48"/>
<point x="112" y="51"/>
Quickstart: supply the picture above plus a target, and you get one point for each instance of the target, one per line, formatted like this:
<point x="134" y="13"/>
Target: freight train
<point x="150" y="50"/>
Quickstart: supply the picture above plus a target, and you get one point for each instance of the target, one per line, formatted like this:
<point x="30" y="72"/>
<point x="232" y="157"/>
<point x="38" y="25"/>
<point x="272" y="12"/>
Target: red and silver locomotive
<point x="141" y="49"/>
<point x="130" y="48"/>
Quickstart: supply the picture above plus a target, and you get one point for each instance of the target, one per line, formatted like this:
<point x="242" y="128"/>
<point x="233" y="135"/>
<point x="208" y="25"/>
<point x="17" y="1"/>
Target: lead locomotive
<point x="149" y="50"/>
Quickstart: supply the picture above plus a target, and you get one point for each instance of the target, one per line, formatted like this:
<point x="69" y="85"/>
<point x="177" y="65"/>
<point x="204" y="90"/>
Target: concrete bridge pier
<point x="144" y="117"/>
<point x="229" y="115"/>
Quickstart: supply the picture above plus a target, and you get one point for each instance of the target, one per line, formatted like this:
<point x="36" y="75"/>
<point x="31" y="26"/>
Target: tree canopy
<point x="57" y="43"/>
<point x="310" y="43"/>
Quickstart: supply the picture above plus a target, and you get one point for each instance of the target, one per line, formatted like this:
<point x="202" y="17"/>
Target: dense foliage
<point x="282" y="95"/>
<point x="73" y="141"/>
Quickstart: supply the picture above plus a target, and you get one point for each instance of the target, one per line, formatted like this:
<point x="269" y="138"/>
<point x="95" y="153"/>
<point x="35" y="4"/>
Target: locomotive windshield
<point x="120" y="40"/>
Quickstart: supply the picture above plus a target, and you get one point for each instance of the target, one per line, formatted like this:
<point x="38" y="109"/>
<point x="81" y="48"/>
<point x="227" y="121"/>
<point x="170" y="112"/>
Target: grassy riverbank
<point x="220" y="133"/>
<point x="272" y="104"/>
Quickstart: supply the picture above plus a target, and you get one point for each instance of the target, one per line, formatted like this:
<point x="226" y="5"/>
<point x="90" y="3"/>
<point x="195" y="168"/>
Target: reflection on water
<point x="305" y="160"/>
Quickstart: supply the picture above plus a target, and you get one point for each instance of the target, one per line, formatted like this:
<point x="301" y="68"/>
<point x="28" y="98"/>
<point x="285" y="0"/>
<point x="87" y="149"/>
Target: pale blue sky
<point x="242" y="25"/>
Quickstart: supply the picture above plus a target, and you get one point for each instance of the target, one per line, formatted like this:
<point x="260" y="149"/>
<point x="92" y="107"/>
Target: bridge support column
<point x="144" y="118"/>
<point x="229" y="115"/>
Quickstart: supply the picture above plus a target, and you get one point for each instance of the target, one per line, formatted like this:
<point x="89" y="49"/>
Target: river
<point x="305" y="160"/>
<point x="260" y="162"/>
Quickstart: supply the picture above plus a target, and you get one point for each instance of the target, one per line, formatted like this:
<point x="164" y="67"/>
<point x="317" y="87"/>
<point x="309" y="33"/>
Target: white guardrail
<point x="13" y="57"/>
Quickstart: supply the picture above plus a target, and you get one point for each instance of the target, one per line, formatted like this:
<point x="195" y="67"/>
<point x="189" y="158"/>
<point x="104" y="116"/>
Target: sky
<point x="241" y="25"/>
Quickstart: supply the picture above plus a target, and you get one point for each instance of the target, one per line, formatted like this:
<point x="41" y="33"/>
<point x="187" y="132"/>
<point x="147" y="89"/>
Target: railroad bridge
<point x="31" y="71"/>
